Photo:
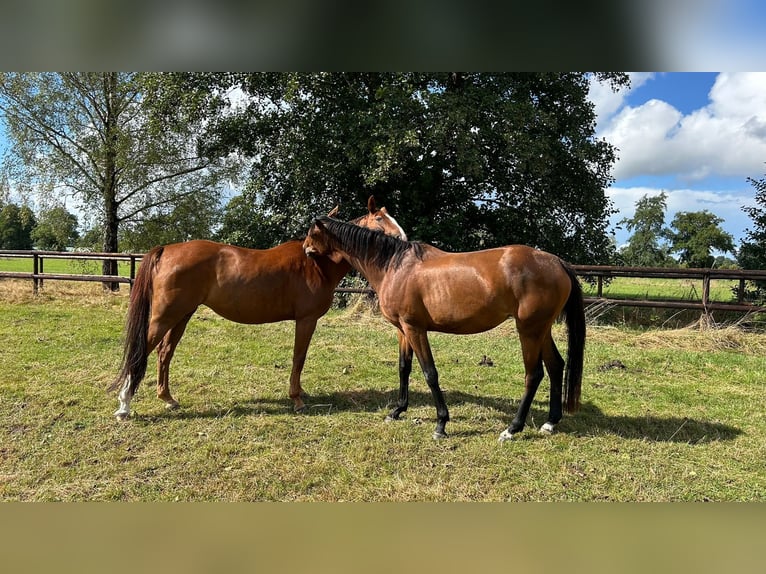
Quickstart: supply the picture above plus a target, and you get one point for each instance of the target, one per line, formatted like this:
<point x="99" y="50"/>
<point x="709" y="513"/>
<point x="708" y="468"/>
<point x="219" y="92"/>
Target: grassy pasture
<point x="683" y="421"/>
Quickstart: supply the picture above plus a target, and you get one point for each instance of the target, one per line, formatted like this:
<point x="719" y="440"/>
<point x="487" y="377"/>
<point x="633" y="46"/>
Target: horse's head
<point x="375" y="219"/>
<point x="317" y="242"/>
<point x="380" y="220"/>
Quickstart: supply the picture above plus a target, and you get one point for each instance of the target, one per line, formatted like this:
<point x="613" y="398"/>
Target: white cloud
<point x="726" y="137"/>
<point x="607" y="102"/>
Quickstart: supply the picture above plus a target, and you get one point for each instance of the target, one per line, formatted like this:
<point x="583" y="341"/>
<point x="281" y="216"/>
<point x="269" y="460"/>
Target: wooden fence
<point x="599" y="274"/>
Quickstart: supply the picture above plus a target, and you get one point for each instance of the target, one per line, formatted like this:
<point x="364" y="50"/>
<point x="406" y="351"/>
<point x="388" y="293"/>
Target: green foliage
<point x="695" y="235"/>
<point x="16" y="225"/>
<point x="464" y="160"/>
<point x="644" y="248"/>
<point x="691" y="234"/>
<point x="752" y="251"/>
<point x="56" y="229"/>
<point x="96" y="137"/>
<point x="244" y="223"/>
<point x="192" y="217"/>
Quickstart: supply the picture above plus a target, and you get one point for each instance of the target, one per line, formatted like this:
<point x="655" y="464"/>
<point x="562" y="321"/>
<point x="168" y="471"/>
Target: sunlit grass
<point x="683" y="420"/>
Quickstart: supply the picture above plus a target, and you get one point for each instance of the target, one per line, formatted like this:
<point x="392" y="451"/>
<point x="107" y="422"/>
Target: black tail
<point x="135" y="356"/>
<point x="575" y="320"/>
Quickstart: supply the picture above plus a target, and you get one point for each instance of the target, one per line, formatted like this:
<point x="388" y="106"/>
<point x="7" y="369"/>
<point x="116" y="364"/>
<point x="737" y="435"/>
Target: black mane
<point x="374" y="246"/>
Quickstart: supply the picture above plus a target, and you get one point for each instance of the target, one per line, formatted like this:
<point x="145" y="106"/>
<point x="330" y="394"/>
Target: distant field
<point x="73" y="266"/>
<point x="668" y="415"/>
<point x="721" y="290"/>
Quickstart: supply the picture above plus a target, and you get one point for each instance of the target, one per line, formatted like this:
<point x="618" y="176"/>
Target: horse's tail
<point x="135" y="356"/>
<point x="575" y="320"/>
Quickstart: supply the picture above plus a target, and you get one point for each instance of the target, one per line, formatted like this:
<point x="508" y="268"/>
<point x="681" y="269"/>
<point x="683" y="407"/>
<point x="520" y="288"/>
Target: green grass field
<point x="683" y="421"/>
<point x="51" y="265"/>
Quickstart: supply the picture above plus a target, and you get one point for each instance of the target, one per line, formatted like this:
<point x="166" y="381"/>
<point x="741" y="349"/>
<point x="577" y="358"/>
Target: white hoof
<point x="172" y="406"/>
<point x="547" y="428"/>
<point x="121" y="415"/>
<point x="505" y="435"/>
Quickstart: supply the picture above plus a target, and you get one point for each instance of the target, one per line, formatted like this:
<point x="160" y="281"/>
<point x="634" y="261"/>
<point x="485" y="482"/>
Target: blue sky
<point x="695" y="136"/>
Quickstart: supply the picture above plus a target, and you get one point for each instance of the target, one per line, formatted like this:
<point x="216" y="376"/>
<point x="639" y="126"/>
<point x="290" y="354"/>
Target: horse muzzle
<point x="310" y="251"/>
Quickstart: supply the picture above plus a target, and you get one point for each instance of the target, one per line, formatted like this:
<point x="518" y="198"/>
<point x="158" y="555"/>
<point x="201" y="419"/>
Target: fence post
<point x="132" y="269"/>
<point x="35" y="271"/>
<point x="706" y="315"/>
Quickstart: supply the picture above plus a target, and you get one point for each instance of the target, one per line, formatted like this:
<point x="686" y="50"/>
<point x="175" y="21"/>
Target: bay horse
<point x="422" y="288"/>
<point x="251" y="286"/>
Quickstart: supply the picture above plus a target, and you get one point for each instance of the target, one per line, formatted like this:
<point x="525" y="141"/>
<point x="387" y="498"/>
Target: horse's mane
<point x="373" y="246"/>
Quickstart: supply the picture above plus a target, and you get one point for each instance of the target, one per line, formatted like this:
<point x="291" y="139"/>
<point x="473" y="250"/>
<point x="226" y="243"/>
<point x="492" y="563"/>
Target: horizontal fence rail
<point x="592" y="273"/>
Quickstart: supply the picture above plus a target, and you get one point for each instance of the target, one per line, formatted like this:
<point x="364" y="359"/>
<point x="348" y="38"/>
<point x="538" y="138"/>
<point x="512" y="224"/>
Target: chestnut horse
<point x="422" y="288"/>
<point x="243" y="285"/>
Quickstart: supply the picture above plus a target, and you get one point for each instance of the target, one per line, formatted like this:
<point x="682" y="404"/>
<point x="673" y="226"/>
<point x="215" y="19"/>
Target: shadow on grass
<point x="589" y="421"/>
<point x="592" y="421"/>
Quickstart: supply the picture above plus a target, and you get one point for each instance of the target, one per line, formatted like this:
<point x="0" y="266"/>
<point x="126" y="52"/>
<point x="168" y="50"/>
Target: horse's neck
<point x="371" y="272"/>
<point x="335" y="271"/>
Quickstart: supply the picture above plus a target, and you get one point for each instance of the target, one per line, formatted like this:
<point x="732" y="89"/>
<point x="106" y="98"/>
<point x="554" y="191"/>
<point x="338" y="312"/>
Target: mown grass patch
<point x="681" y="419"/>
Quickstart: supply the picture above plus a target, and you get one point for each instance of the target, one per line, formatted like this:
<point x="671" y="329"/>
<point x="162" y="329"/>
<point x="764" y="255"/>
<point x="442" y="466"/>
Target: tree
<point x="193" y="217"/>
<point x="464" y="160"/>
<point x="644" y="248"/>
<point x="56" y="229"/>
<point x="16" y="224"/>
<point x="94" y="136"/>
<point x="696" y="234"/>
<point x="244" y="223"/>
<point x="752" y="251"/>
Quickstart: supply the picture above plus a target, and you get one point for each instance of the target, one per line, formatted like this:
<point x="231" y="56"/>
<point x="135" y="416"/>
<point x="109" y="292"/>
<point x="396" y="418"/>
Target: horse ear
<point x="334" y="211"/>
<point x="371" y="207"/>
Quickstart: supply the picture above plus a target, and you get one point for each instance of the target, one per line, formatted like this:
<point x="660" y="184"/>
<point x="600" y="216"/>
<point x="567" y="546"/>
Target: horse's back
<point x="240" y="284"/>
<point x="475" y="291"/>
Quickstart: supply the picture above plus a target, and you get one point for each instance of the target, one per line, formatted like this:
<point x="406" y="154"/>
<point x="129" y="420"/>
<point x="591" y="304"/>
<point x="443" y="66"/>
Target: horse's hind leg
<point x="405" y="368"/>
<point x="554" y="364"/>
<point x="165" y="351"/>
<point x="304" y="330"/>
<point x="533" y="367"/>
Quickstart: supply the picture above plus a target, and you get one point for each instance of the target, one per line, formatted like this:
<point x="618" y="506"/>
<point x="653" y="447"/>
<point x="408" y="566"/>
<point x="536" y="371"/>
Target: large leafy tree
<point x="93" y="136"/>
<point x="16" y="225"/>
<point x="646" y="246"/>
<point x="56" y="229"/>
<point x="752" y="251"/>
<point x="464" y="160"/>
<point x="694" y="235"/>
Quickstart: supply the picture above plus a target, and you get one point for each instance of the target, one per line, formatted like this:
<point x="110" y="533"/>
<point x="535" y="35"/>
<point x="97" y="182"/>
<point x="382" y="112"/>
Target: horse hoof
<point x="172" y="406"/>
<point x="390" y="419"/>
<point x="300" y="410"/>
<point x="121" y="415"/>
<point x="438" y="435"/>
<point x="547" y="428"/>
<point x="505" y="435"/>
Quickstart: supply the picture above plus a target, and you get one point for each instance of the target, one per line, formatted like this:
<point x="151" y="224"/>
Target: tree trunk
<point x="111" y="218"/>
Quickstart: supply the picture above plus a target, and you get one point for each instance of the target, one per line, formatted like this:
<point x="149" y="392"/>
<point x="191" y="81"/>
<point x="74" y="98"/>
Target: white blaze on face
<point x="402" y="234"/>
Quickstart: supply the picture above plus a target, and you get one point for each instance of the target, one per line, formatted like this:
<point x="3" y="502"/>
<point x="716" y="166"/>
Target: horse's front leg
<point x="418" y="339"/>
<point x="304" y="330"/>
<point x="405" y="368"/>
